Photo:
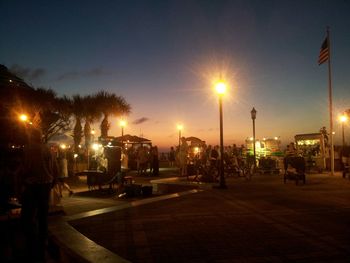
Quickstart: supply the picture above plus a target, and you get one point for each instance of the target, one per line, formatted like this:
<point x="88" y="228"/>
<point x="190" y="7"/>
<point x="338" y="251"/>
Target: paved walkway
<point x="262" y="220"/>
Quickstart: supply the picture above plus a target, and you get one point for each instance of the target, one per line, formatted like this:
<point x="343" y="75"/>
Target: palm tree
<point x="77" y="111"/>
<point x="110" y="104"/>
<point x="90" y="114"/>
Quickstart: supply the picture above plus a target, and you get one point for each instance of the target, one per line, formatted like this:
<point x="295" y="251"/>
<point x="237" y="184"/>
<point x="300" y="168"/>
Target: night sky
<point x="163" y="56"/>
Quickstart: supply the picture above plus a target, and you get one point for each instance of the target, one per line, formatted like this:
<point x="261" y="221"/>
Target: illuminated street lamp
<point x="23" y="117"/>
<point x="180" y="127"/>
<point x="220" y="88"/>
<point x="343" y="118"/>
<point x="122" y="124"/>
<point x="253" y="115"/>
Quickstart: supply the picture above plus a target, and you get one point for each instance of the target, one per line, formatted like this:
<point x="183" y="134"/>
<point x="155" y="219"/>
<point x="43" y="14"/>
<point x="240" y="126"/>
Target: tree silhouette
<point x="110" y="104"/>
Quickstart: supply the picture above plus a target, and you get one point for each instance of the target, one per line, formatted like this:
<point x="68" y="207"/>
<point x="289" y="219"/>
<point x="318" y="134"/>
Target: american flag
<point x="324" y="52"/>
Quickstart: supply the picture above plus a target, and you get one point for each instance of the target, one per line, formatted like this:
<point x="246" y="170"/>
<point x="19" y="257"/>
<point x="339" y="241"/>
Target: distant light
<point x="95" y="146"/>
<point x="12" y="146"/>
<point x="23" y="117"/>
<point x="251" y="138"/>
<point x="63" y="146"/>
<point x="264" y="139"/>
<point x="220" y="88"/>
<point x="343" y="118"/>
<point x="79" y="146"/>
<point x="75" y="155"/>
<point x="122" y="123"/>
<point x="10" y="80"/>
<point x="92" y="131"/>
<point x="333" y="133"/>
<point x="276" y="138"/>
<point x="180" y="127"/>
<point x="110" y="143"/>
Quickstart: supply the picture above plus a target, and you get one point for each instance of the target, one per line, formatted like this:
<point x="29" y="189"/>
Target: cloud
<point x="94" y="72"/>
<point x="27" y="73"/>
<point x="140" y="120"/>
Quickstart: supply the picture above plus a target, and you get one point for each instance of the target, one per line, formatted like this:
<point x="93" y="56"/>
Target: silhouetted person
<point x="38" y="179"/>
<point x="171" y="157"/>
<point x="155" y="161"/>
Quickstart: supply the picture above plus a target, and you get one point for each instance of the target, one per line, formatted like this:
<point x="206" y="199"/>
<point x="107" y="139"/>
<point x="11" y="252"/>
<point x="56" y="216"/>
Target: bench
<point x="294" y="169"/>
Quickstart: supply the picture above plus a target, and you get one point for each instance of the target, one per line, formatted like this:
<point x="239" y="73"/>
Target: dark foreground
<point x="262" y="220"/>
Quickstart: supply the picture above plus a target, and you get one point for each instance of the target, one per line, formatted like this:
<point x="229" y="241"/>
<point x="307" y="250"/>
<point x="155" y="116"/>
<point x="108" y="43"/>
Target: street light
<point x="122" y="124"/>
<point x="179" y="127"/>
<point x="220" y="88"/>
<point x="253" y="115"/>
<point x="23" y="117"/>
<point x="343" y="118"/>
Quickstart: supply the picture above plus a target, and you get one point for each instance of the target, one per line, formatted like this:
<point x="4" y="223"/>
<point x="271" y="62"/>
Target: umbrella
<point x="194" y="140"/>
<point x="132" y="139"/>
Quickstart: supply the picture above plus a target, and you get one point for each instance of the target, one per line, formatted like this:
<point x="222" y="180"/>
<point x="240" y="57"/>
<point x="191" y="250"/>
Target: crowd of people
<point x="205" y="155"/>
<point x="144" y="159"/>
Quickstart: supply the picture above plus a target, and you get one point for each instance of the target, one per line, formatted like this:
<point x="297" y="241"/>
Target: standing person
<point x="63" y="174"/>
<point x="171" y="157"/>
<point x="155" y="161"/>
<point x="38" y="169"/>
<point x="183" y="152"/>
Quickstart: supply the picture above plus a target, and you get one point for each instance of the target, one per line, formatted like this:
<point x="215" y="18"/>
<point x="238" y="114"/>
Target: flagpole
<point x="330" y="101"/>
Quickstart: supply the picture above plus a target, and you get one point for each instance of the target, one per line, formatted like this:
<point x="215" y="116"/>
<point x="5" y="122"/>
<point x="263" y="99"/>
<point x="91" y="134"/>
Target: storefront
<point x="312" y="147"/>
<point x="266" y="147"/>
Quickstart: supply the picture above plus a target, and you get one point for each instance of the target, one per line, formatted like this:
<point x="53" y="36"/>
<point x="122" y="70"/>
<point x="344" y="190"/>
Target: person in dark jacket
<point x="38" y="173"/>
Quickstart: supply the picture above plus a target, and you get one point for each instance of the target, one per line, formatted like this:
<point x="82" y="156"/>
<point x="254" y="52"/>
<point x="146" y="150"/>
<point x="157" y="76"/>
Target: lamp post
<point x="253" y="115"/>
<point x="180" y="127"/>
<point x="220" y="88"/>
<point x="122" y="124"/>
<point x="343" y="118"/>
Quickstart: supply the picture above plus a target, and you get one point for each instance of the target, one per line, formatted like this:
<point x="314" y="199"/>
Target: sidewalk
<point x="262" y="220"/>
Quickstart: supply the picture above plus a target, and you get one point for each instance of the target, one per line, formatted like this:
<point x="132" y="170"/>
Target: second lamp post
<point x="253" y="115"/>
